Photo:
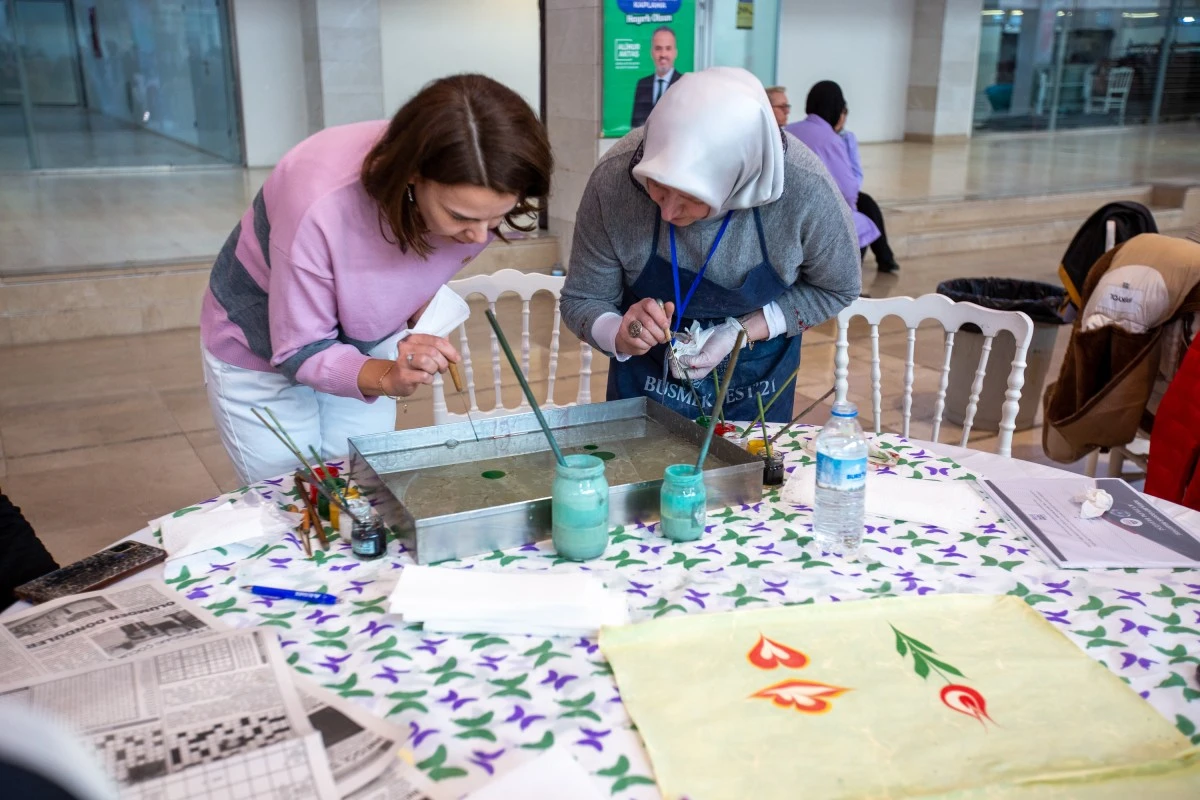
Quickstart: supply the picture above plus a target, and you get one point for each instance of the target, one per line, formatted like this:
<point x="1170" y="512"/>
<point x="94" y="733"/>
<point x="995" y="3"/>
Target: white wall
<point x="270" y="55"/>
<point x="427" y="39"/>
<point x="864" y="45"/>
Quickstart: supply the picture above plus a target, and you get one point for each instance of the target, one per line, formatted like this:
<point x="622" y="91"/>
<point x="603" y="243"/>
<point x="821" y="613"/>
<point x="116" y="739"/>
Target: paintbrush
<point x="761" y="414"/>
<point x="456" y="377"/>
<point x="282" y="436"/>
<point x="796" y="419"/>
<point x="712" y="423"/>
<point x="762" y="417"/>
<point x="310" y="514"/>
<point x="512" y="361"/>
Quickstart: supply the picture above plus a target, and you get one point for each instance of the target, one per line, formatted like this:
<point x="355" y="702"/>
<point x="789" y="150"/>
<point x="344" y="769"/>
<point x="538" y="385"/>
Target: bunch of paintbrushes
<point x="327" y="487"/>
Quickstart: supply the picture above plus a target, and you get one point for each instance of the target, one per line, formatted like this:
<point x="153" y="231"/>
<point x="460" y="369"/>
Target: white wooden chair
<point x="525" y="285"/>
<point x="915" y="310"/>
<point x="1116" y="93"/>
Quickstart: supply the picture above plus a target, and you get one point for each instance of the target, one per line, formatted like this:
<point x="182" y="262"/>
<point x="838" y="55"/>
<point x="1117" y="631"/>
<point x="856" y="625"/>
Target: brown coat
<point x="1108" y="373"/>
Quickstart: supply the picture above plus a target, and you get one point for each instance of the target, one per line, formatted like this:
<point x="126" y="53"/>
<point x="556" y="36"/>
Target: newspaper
<point x="118" y="623"/>
<point x="95" y="628"/>
<point x="215" y="717"/>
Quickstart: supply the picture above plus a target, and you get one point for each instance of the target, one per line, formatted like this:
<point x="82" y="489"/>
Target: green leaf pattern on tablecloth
<point x="472" y="706"/>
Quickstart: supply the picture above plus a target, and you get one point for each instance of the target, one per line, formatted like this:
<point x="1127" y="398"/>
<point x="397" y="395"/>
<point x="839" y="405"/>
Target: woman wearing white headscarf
<point x="708" y="217"/>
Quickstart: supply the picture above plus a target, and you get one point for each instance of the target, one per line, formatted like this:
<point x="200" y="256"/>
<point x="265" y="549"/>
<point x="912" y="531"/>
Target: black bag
<point x="1088" y="245"/>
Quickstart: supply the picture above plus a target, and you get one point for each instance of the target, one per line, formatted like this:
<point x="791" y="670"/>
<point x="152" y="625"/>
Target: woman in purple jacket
<point x="822" y="131"/>
<point x="310" y="302"/>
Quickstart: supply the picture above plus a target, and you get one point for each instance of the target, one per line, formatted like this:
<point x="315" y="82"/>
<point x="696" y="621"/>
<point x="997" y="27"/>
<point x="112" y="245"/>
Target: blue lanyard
<point x="680" y="306"/>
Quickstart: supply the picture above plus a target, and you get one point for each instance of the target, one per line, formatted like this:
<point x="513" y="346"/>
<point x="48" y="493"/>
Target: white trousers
<point x="313" y="419"/>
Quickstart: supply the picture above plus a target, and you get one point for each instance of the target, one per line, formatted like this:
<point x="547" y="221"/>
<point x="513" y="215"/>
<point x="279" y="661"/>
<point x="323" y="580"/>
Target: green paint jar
<point x="579" y="508"/>
<point x="682" y="503"/>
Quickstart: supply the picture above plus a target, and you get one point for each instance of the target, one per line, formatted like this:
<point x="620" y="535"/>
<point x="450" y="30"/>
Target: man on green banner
<point x="663" y="49"/>
<point x="640" y="37"/>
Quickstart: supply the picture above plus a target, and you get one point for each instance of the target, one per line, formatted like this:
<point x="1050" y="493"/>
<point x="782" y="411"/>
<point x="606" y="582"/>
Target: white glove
<point x="718" y="341"/>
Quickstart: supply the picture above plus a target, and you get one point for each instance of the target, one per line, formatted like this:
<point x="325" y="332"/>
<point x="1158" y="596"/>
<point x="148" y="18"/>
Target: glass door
<point x="117" y="85"/>
<point x="736" y="33"/>
<point x="18" y="148"/>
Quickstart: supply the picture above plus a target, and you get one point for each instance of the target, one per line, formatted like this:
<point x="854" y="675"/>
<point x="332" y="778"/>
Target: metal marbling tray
<point x="430" y="484"/>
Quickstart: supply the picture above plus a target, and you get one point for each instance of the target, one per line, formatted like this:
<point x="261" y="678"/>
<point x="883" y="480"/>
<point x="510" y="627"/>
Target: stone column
<point x="941" y="76"/>
<point x="343" y="66"/>
<point x="573" y="100"/>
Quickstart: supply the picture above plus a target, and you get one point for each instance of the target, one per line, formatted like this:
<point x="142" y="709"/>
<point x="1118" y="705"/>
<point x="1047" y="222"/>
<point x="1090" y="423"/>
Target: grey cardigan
<point x="809" y="234"/>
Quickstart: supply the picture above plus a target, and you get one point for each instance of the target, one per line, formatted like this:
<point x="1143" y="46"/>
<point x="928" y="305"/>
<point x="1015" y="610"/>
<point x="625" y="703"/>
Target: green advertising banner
<point x="648" y="44"/>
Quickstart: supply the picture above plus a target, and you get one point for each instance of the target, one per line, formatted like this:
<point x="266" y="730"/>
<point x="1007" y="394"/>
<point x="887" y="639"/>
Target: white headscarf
<point x="713" y="136"/>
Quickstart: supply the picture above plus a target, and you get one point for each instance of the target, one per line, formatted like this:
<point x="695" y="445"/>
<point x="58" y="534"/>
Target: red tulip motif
<point x="966" y="700"/>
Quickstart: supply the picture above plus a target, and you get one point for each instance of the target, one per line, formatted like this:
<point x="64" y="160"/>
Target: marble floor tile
<point x="81" y="500"/>
<point x="189" y="408"/>
<point x="206" y="444"/>
<point x="69" y="424"/>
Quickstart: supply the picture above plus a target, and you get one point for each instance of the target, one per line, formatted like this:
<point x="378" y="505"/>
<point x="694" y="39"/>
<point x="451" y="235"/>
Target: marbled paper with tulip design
<point x="936" y="694"/>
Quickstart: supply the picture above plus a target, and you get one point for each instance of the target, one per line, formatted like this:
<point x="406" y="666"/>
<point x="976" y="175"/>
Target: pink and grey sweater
<point x="307" y="284"/>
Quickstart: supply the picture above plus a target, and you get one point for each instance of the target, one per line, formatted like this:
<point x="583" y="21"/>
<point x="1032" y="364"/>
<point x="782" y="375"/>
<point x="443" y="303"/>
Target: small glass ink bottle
<point x="368" y="537"/>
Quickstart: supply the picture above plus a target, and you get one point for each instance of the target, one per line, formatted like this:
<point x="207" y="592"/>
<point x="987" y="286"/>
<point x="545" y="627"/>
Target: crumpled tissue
<point x="1093" y="503"/>
<point x="687" y="345"/>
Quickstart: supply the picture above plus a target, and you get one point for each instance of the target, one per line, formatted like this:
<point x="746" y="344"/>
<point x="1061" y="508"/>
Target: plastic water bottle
<point x="841" y="482"/>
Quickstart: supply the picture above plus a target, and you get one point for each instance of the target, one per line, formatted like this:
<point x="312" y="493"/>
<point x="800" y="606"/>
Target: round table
<point x="476" y="704"/>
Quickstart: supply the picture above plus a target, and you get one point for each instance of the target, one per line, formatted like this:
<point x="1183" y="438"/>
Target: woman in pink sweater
<point x="311" y="299"/>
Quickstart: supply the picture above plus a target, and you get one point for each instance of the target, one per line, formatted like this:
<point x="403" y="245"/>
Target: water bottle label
<point x="841" y="473"/>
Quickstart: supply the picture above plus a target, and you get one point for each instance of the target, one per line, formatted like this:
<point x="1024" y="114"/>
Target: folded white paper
<point x="550" y="604"/>
<point x="445" y="312"/>
<point x="223" y="525"/>
<point x="552" y="775"/>
<point x="950" y="505"/>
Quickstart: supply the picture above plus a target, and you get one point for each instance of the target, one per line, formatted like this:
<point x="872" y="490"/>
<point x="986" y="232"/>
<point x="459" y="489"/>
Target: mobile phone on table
<point x="94" y="571"/>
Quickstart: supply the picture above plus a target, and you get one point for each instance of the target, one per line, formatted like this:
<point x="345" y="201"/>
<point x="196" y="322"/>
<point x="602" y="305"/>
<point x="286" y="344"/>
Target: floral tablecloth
<point x="477" y="704"/>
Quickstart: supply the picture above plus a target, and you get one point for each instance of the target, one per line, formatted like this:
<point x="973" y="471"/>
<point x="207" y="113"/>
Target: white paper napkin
<point x="550" y="776"/>
<point x="445" y="312"/>
<point x="550" y="604"/>
<point x="950" y="505"/>
<point x="244" y="523"/>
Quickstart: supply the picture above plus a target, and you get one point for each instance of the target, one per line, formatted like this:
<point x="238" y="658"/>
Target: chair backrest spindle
<point x="525" y="285"/>
<point x="952" y="316"/>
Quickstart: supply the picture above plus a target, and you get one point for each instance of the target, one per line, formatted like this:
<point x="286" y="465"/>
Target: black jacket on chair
<point x="643" y="98"/>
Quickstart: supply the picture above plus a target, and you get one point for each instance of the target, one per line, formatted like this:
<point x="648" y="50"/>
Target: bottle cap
<point x="845" y="409"/>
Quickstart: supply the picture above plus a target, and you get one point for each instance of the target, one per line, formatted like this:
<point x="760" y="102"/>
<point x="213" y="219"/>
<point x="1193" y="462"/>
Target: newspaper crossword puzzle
<point x="139" y="754"/>
<point x="279" y="772"/>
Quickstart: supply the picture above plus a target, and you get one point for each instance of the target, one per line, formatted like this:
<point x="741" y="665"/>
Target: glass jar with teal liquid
<point x="682" y="503"/>
<point x="579" y="508"/>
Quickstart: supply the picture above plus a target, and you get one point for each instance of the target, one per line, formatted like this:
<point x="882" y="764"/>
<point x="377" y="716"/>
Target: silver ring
<point x="635" y="329"/>
<point x="410" y="355"/>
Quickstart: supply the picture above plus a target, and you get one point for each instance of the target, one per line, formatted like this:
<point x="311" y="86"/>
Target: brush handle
<point x="456" y="376"/>
<point x="796" y="419"/>
<point x="762" y="418"/>
<point x="712" y="423"/>
<point x="512" y="361"/>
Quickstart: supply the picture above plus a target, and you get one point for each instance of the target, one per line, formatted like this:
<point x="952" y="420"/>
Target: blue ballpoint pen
<point x="293" y="594"/>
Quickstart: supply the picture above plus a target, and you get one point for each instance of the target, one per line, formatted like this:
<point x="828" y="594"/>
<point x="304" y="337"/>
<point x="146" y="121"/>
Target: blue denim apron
<point x="760" y="371"/>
